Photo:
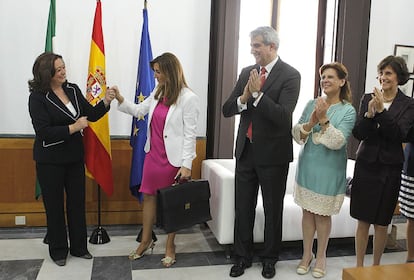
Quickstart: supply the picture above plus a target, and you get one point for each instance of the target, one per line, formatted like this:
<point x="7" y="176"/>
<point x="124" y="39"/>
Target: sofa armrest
<point x="221" y="182"/>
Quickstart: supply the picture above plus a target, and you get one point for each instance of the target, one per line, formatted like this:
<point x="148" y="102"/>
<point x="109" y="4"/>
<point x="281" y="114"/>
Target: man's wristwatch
<point x="256" y="94"/>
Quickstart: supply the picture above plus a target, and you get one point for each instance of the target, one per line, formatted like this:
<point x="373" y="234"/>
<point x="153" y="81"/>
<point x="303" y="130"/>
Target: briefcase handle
<point x="178" y="180"/>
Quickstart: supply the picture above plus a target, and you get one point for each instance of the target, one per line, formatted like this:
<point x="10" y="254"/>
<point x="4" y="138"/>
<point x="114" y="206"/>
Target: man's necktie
<point x="262" y="80"/>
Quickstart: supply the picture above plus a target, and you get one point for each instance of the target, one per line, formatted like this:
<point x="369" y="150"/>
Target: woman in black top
<point x="384" y="120"/>
<point x="59" y="113"/>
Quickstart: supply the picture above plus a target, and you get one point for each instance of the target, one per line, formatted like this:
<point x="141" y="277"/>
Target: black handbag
<point x="183" y="205"/>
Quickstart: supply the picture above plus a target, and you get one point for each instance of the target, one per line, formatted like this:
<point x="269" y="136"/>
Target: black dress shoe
<point x="46" y="239"/>
<point x="61" y="262"/>
<point x="238" y="268"/>
<point x="269" y="270"/>
<point x="86" y="256"/>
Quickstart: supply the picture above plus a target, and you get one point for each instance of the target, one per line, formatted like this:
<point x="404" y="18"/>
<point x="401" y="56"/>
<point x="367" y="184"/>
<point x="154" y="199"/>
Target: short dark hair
<point x="398" y="64"/>
<point x="43" y="70"/>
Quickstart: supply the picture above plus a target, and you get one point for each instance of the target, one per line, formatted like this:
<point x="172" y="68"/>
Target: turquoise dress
<point x="321" y="173"/>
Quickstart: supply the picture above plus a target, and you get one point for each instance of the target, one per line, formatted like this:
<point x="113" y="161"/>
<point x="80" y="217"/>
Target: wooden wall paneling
<point x="17" y="170"/>
<point x="17" y="179"/>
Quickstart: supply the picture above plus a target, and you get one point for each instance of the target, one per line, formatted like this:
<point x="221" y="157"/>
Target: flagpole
<point x="96" y="136"/>
<point x="146" y="83"/>
<point x="99" y="235"/>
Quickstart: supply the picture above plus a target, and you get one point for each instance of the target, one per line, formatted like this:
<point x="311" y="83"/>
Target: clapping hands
<point x="253" y="85"/>
<point x="254" y="81"/>
<point x="319" y="112"/>
<point x="376" y="104"/>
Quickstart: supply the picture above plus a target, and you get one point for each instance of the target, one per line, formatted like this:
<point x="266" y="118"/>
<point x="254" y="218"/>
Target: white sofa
<point x="220" y="174"/>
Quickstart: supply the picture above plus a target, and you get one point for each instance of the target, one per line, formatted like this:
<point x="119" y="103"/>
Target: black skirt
<point x="374" y="193"/>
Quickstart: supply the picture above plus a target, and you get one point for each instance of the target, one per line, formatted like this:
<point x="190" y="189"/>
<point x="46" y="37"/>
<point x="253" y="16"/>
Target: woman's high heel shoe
<point x="302" y="270"/>
<point x="168" y="261"/>
<point x="135" y="256"/>
<point x="139" y="237"/>
<point x="318" y="273"/>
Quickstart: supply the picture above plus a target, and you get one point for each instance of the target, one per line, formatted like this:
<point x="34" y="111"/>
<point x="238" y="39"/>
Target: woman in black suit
<point x="384" y="119"/>
<point x="59" y="113"/>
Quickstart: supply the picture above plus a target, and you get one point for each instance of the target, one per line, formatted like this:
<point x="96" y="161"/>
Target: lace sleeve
<point x="296" y="134"/>
<point x="332" y="138"/>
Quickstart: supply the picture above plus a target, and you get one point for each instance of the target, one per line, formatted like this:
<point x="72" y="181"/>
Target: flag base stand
<point x="99" y="235"/>
<point x="46" y="239"/>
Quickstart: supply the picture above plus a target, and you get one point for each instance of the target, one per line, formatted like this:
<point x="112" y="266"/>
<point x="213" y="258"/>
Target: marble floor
<point x="24" y="256"/>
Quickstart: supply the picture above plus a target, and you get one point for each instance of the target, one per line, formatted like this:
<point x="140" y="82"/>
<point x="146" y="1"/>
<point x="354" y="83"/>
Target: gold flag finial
<point x="145" y="4"/>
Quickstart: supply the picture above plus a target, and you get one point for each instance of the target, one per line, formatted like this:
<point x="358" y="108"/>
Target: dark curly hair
<point x="43" y="71"/>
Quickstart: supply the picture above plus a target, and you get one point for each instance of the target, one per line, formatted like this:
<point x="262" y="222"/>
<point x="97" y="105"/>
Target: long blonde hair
<point x="171" y="68"/>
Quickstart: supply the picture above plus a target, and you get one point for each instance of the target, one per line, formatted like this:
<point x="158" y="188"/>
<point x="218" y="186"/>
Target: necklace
<point x="392" y="93"/>
<point x="389" y="100"/>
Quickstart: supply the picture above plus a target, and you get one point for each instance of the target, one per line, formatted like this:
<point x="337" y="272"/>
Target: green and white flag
<point x="50" y="34"/>
<point x="51" y="26"/>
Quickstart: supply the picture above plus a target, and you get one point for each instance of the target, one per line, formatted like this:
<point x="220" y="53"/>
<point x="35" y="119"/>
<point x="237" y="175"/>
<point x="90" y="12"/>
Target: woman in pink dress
<point x="173" y="111"/>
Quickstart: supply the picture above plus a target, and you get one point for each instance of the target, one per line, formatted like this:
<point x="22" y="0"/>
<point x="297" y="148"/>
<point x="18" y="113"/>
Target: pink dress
<point x="157" y="173"/>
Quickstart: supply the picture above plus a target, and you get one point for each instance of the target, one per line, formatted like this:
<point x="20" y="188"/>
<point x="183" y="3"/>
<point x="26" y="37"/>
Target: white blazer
<point x="180" y="125"/>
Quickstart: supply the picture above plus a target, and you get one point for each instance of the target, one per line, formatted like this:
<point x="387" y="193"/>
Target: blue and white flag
<point x="145" y="85"/>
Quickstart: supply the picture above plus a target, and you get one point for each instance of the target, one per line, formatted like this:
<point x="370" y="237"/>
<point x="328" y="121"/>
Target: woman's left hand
<point x="321" y="108"/>
<point x="379" y="100"/>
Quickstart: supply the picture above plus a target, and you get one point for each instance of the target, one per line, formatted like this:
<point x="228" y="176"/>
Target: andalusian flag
<point x="51" y="25"/>
<point x="96" y="136"/>
<point x="145" y="85"/>
<point x="50" y="34"/>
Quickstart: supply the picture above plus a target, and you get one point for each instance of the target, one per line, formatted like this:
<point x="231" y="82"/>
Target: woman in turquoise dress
<point x="323" y="130"/>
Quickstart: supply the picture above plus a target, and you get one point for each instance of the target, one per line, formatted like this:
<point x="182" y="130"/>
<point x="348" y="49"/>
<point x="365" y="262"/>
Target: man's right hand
<point x="246" y="94"/>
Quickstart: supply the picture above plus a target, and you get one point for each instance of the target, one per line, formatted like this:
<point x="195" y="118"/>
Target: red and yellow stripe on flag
<point x="96" y="136"/>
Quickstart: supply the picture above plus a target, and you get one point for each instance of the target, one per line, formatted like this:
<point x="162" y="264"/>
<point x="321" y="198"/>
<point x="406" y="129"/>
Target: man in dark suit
<point x="264" y="149"/>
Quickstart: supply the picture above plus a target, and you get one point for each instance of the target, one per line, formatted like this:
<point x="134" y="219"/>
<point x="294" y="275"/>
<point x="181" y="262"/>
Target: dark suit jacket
<point x="51" y="119"/>
<point x="382" y="136"/>
<point x="272" y="118"/>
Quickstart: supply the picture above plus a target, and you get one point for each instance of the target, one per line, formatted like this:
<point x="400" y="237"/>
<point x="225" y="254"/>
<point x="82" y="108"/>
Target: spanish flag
<point x="96" y="136"/>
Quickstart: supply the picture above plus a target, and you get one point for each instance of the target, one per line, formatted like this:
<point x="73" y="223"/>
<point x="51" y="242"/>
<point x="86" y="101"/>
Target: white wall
<point x="391" y="23"/>
<point x="181" y="27"/>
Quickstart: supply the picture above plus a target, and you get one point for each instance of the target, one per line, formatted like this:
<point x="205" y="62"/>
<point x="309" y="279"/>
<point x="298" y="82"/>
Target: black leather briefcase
<point x="183" y="205"/>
